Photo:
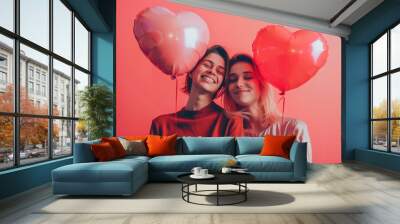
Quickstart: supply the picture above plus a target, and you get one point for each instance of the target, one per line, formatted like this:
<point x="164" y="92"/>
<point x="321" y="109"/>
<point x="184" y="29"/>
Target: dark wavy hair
<point x="216" y="49"/>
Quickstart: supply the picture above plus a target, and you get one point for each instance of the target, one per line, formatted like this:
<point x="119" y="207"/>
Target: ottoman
<point x="118" y="177"/>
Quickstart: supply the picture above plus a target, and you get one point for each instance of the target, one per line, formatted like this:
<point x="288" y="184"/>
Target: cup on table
<point x="196" y="171"/>
<point x="203" y="172"/>
<point x="226" y="170"/>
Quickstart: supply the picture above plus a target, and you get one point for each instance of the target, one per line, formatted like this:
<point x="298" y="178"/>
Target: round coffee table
<point x="238" y="179"/>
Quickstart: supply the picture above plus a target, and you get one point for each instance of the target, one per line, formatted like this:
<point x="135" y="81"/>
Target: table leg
<point x="196" y="188"/>
<point x="217" y="194"/>
<point x="245" y="193"/>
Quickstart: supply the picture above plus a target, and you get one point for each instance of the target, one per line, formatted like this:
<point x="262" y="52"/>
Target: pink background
<point x="143" y="92"/>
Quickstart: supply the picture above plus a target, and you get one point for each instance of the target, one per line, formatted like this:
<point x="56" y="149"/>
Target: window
<point x="46" y="74"/>
<point x="385" y="94"/>
<point x="30" y="72"/>
<point x="3" y="78"/>
<point x="3" y="72"/>
<point x="38" y="74"/>
<point x="3" y="61"/>
<point x="37" y="89"/>
<point x="30" y="87"/>
<point x="44" y="91"/>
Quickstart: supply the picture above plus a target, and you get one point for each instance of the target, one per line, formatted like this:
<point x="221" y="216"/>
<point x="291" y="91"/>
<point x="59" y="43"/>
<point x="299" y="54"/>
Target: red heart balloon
<point x="173" y="42"/>
<point x="288" y="60"/>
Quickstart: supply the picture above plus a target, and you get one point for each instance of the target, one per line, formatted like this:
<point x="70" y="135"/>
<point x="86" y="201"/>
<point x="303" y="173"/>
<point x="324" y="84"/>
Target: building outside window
<point x="35" y="71"/>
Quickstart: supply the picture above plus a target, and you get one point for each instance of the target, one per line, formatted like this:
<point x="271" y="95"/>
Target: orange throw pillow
<point x="103" y="152"/>
<point x="116" y="145"/>
<point x="277" y="146"/>
<point x="161" y="145"/>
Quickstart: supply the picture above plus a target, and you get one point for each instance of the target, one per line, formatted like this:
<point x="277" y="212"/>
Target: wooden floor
<point x="377" y="188"/>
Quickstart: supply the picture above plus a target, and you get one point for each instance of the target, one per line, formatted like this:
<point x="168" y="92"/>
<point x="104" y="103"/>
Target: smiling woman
<point x="201" y="116"/>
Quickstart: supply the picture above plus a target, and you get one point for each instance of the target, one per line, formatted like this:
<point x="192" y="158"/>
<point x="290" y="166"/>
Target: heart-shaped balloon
<point x="287" y="60"/>
<point x="174" y="42"/>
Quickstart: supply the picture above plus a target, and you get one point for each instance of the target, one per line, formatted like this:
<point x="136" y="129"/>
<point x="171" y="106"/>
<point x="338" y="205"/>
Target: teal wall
<point x="99" y="15"/>
<point x="103" y="62"/>
<point x="356" y="85"/>
<point x="24" y="178"/>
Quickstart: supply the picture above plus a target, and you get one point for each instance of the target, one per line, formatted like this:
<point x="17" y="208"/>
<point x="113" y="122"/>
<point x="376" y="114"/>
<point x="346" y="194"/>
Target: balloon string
<point x="283" y="98"/>
<point x="176" y="103"/>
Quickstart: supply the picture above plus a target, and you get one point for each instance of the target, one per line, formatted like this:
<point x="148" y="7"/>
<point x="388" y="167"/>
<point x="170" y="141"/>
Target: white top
<point x="291" y="126"/>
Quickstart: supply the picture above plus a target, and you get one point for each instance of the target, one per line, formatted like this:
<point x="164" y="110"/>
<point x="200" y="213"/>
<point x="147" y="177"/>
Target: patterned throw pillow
<point x="134" y="147"/>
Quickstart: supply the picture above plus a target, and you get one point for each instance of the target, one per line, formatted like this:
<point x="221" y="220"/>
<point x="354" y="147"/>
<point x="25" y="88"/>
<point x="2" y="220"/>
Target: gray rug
<point x="166" y="198"/>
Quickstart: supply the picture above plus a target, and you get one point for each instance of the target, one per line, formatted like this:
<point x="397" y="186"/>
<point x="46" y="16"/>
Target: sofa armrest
<point x="298" y="155"/>
<point x="83" y="152"/>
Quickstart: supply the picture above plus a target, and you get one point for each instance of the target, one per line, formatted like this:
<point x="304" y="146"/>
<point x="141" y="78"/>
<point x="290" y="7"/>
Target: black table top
<point x="220" y="178"/>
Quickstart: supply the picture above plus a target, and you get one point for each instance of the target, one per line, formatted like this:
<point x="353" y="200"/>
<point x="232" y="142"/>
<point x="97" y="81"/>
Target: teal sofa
<point x="125" y="176"/>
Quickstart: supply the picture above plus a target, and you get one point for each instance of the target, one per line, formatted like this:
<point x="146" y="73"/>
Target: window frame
<point x="388" y="74"/>
<point x="16" y="115"/>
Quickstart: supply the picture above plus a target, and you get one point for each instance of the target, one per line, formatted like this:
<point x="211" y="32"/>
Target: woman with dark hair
<point x="248" y="95"/>
<point x="202" y="116"/>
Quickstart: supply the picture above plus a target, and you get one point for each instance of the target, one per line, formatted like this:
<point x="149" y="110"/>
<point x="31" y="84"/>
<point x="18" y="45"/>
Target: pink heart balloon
<point x="173" y="42"/>
<point x="288" y="60"/>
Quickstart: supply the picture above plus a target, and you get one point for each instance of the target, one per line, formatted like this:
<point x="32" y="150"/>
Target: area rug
<point x="166" y="198"/>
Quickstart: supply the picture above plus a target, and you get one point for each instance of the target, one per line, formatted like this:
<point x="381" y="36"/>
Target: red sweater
<point x="211" y="121"/>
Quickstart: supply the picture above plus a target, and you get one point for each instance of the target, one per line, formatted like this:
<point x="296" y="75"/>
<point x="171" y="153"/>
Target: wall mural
<point x="196" y="72"/>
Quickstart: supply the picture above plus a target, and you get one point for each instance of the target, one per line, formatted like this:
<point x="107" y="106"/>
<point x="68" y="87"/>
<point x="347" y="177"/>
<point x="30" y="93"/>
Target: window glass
<point x="62" y="137"/>
<point x="379" y="97"/>
<point x="81" y="131"/>
<point x="81" y="82"/>
<point x="62" y="29"/>
<point x="7" y="14"/>
<point x="62" y="91"/>
<point x="6" y="142"/>
<point x="395" y="95"/>
<point x="33" y="140"/>
<point x="6" y="74"/>
<point x="379" y="135"/>
<point x="395" y="47"/>
<point x="395" y="136"/>
<point x="39" y="62"/>
<point x="34" y="20"/>
<point x="379" y="56"/>
<point x="81" y="45"/>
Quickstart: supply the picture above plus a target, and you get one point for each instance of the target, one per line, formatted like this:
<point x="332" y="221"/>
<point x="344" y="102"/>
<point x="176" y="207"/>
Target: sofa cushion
<point x="207" y="145"/>
<point x="111" y="171"/>
<point x="257" y="163"/>
<point x="249" y="145"/>
<point x="83" y="152"/>
<point x="185" y="163"/>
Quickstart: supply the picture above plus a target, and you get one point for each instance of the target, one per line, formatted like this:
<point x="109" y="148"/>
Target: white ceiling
<point x="325" y="16"/>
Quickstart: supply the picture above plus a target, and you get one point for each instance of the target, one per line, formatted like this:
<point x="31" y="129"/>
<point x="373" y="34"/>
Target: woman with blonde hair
<point x="247" y="94"/>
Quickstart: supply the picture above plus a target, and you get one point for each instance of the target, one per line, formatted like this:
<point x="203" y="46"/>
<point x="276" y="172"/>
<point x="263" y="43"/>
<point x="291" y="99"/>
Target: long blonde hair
<point x="267" y="99"/>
